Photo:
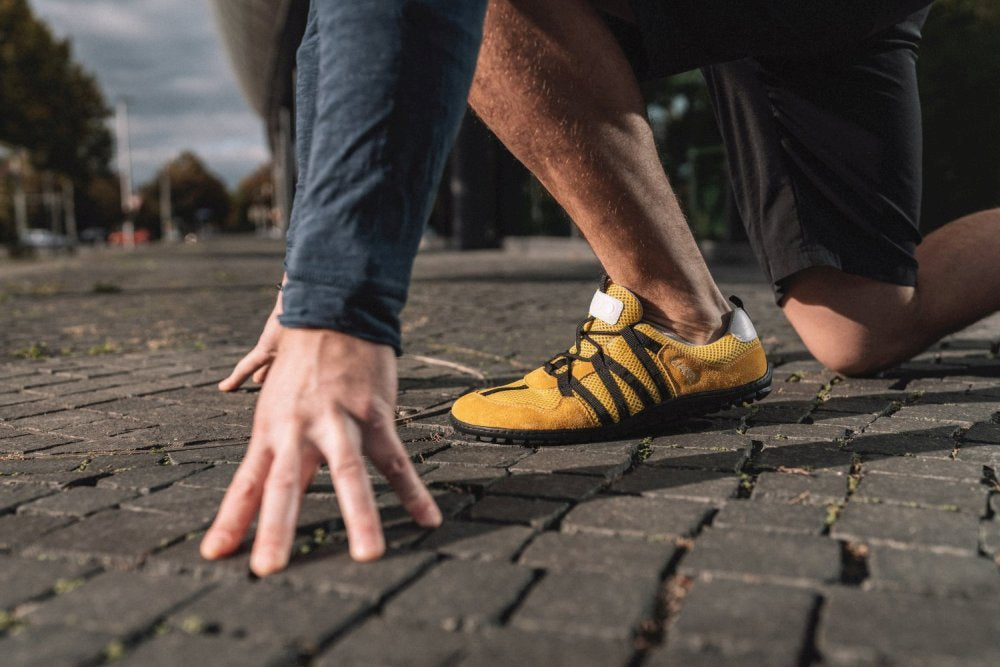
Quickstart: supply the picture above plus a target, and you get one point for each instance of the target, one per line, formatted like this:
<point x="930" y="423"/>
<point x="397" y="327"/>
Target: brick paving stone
<point x="926" y="445"/>
<point x="922" y="492"/>
<point x="184" y="558"/>
<point x="894" y="424"/>
<point x="178" y="501"/>
<point x="932" y="530"/>
<point x="987" y="433"/>
<point x="983" y="454"/>
<point x="332" y="570"/>
<point x="820" y="488"/>
<point x="496" y="457"/>
<point x="509" y="646"/>
<point x="221" y="453"/>
<point x="989" y="536"/>
<point x="270" y="614"/>
<point x="217" y="477"/>
<point x="587" y="603"/>
<point x="23" y="579"/>
<point x="117" y="538"/>
<point x="460" y="594"/>
<point x="858" y="627"/>
<point x="18" y="531"/>
<point x="714" y="441"/>
<point x="813" y="432"/>
<point x="581" y="552"/>
<point x="473" y="477"/>
<point x="933" y="574"/>
<point x="147" y="479"/>
<point x="35" y="646"/>
<point x="772" y="517"/>
<point x="32" y="409"/>
<point x="534" y="512"/>
<point x="77" y="502"/>
<point x="11" y="468"/>
<point x="727" y="460"/>
<point x="854" y="423"/>
<point x="791" y="560"/>
<point x="800" y="454"/>
<point x="658" y="482"/>
<point x="910" y="466"/>
<point x="117" y="603"/>
<point x="27" y="443"/>
<point x="14" y="495"/>
<point x="552" y="486"/>
<point x="734" y="621"/>
<point x="183" y="649"/>
<point x="649" y="518"/>
<point x="962" y="413"/>
<point x="53" y="421"/>
<point x="409" y="647"/>
<point x="104" y="428"/>
<point x="599" y="460"/>
<point x="484" y="541"/>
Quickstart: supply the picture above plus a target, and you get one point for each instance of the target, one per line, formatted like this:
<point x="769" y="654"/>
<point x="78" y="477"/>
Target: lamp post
<point x="125" y="173"/>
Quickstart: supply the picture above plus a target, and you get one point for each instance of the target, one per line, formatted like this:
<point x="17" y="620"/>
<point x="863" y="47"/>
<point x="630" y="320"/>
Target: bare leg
<point x="553" y="84"/>
<point x="857" y="325"/>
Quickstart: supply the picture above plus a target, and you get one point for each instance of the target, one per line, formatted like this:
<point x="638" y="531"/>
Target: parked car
<point x="44" y="238"/>
<point x="118" y="238"/>
<point x="94" y="235"/>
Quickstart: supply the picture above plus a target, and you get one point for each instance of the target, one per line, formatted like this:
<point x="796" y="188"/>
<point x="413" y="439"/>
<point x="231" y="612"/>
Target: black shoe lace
<point x="643" y="347"/>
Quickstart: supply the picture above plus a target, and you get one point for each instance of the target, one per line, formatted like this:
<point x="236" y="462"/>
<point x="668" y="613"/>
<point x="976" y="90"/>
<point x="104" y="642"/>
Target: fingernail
<point x="367" y="552"/>
<point x="265" y="565"/>
<point x="211" y="546"/>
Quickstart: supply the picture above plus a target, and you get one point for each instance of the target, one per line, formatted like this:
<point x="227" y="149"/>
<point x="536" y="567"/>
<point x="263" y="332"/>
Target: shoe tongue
<point x="613" y="308"/>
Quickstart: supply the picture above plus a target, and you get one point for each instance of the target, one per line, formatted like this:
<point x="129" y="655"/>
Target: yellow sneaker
<point x="623" y="377"/>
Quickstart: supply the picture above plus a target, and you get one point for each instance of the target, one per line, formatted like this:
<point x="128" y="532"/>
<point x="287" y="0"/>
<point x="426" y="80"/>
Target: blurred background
<point x="132" y="121"/>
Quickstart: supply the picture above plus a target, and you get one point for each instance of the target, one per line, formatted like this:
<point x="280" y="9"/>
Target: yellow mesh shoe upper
<point x="618" y="367"/>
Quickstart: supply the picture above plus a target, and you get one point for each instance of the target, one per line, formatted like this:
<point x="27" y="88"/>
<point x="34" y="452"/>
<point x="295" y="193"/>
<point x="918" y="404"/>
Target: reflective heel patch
<point x="606" y="308"/>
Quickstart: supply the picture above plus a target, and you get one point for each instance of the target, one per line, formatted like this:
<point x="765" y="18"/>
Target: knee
<point x="852" y="326"/>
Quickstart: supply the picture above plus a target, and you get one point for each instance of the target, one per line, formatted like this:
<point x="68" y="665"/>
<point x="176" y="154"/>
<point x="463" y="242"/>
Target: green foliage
<point x="256" y="189"/>
<point x="197" y="195"/>
<point x="960" y="86"/>
<point x="50" y="104"/>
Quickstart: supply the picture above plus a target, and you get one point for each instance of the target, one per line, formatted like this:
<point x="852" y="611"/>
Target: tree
<point x="51" y="106"/>
<point x="197" y="196"/>
<point x="960" y="87"/>
<point x="256" y="190"/>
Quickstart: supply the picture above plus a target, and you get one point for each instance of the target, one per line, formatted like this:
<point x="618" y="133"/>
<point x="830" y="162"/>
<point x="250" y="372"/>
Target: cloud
<point x="165" y="58"/>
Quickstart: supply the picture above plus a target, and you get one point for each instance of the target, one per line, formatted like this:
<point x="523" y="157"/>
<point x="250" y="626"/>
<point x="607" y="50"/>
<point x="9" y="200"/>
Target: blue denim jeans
<point x="381" y="90"/>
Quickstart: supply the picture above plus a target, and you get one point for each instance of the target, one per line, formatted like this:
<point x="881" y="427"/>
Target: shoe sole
<point x="649" y="422"/>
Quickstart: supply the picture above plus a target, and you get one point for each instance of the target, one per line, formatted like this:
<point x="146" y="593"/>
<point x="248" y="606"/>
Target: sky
<point x="165" y="58"/>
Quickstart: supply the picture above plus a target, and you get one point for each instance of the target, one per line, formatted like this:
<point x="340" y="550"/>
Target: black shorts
<point x="818" y="106"/>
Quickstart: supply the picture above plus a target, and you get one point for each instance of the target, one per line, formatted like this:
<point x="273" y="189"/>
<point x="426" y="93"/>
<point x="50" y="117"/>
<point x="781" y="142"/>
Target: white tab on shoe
<point x="606" y="308"/>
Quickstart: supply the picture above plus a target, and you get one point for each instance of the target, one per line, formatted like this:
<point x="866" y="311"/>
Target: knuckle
<point x="243" y="489"/>
<point x="395" y="465"/>
<point x="347" y="467"/>
<point x="283" y="481"/>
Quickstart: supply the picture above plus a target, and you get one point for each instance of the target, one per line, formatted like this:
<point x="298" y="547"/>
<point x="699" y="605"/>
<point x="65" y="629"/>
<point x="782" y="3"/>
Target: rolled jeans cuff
<point x="366" y="311"/>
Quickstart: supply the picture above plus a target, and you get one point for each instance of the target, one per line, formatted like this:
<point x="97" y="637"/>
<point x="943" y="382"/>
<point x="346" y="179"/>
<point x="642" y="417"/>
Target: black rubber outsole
<point x="650" y="422"/>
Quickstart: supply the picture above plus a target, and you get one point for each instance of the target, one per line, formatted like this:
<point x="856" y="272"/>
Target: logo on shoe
<point x="689" y="373"/>
<point x="606" y="308"/>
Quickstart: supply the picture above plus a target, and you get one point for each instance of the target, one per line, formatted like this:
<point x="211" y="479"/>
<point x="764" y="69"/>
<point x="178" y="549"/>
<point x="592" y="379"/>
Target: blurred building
<point x="483" y="194"/>
<point x="261" y="37"/>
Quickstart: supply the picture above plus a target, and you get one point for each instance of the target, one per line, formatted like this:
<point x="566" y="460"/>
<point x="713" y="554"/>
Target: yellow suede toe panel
<point x="529" y="412"/>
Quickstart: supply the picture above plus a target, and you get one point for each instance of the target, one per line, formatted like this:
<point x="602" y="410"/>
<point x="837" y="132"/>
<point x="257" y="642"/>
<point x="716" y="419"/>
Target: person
<point x="818" y="106"/>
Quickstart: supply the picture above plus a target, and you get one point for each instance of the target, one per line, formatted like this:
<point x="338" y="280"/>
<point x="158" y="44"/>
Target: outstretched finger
<point x="239" y="505"/>
<point x="246" y="367"/>
<point x="278" y="512"/>
<point x="341" y="445"/>
<point x="390" y="457"/>
<point x="261" y="373"/>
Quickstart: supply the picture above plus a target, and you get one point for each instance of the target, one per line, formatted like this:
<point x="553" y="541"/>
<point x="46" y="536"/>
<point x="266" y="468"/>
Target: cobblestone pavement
<point x="840" y="521"/>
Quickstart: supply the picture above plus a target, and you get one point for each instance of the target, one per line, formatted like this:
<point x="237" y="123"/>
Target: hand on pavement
<point x="257" y="361"/>
<point x="328" y="397"/>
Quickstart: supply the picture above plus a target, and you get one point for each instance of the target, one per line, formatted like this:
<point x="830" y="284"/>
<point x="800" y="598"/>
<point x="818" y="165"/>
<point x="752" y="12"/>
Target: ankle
<point x="698" y="328"/>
